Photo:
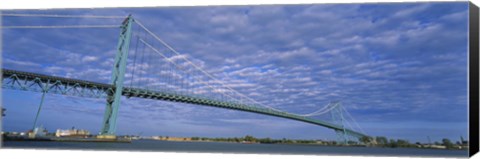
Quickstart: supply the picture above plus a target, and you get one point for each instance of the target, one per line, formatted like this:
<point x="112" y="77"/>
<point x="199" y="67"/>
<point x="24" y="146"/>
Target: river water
<point x="220" y="147"/>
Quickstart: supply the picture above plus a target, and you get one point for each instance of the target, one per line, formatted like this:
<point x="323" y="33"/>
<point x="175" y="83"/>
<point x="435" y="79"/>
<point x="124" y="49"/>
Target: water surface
<point x="223" y="147"/>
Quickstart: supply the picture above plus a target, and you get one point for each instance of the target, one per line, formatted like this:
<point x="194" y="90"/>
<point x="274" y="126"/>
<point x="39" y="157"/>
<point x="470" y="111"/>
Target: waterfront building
<point x="172" y="138"/>
<point x="72" y="133"/>
<point x="40" y="131"/>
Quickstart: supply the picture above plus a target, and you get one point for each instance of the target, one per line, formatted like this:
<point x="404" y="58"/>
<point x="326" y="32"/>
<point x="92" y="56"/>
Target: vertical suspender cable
<point x="134" y="61"/>
<point x="197" y="67"/>
<point x="141" y="67"/>
<point x="147" y="71"/>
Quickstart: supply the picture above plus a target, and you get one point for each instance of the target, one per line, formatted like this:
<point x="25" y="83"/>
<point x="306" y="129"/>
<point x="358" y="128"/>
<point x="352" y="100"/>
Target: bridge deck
<point x="149" y="94"/>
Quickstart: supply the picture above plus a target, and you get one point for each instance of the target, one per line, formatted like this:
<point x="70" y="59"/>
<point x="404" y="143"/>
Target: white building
<point x="71" y="132"/>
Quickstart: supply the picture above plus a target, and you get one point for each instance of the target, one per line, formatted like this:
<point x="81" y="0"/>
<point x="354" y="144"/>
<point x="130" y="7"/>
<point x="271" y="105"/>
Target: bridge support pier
<point x="118" y="74"/>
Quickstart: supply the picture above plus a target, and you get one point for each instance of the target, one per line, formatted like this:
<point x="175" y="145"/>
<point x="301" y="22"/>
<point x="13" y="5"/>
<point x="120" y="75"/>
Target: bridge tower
<point x="118" y="74"/>
<point x="338" y="118"/>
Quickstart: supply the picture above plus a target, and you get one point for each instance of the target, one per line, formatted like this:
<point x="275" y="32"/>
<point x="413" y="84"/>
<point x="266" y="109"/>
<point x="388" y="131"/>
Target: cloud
<point x="20" y="63"/>
<point x="408" y="12"/>
<point x="89" y="59"/>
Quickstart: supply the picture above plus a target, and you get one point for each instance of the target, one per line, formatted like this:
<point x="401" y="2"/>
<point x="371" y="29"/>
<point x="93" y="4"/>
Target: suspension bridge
<point x="145" y="66"/>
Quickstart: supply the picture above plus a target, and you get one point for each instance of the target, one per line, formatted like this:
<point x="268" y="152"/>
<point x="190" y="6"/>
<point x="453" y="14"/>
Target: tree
<point x="447" y="143"/>
<point x="351" y="142"/>
<point x="250" y="138"/>
<point x="403" y="143"/>
<point x="392" y="143"/>
<point x="365" y="139"/>
<point x="381" y="140"/>
<point x="266" y="140"/>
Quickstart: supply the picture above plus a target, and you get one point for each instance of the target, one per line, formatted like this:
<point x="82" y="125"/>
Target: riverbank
<point x="64" y="139"/>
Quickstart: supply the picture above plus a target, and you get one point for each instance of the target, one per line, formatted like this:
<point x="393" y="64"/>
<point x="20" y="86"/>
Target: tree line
<point x="251" y="139"/>
<point x="379" y="141"/>
<point x="384" y="142"/>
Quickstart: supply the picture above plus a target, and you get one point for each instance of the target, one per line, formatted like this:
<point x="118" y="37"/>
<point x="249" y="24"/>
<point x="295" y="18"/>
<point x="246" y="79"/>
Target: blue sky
<point x="400" y="69"/>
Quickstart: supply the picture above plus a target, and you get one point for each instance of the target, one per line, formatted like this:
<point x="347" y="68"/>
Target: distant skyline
<point x="400" y="69"/>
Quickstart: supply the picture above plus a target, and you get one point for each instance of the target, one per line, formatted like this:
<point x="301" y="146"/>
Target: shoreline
<point x="130" y="139"/>
<point x="306" y="144"/>
<point x="63" y="139"/>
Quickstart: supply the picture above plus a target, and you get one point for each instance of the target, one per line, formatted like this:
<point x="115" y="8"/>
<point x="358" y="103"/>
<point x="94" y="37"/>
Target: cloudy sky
<point x="399" y="69"/>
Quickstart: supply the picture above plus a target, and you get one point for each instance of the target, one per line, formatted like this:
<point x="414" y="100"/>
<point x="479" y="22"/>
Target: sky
<point x="399" y="69"/>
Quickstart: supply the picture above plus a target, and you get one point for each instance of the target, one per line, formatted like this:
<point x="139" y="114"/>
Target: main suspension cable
<point x="353" y="119"/>
<point x="171" y="61"/>
<point x="61" y="16"/>
<point x="199" y="68"/>
<point x="59" y="26"/>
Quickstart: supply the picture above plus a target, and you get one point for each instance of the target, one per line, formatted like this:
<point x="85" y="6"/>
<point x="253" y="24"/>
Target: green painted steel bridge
<point x="28" y="81"/>
<point x="182" y="82"/>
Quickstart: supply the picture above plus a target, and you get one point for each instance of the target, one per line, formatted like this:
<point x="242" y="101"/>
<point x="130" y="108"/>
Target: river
<point x="221" y="147"/>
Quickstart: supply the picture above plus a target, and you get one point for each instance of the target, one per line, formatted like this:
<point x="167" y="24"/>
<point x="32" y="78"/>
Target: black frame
<point x="473" y="79"/>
